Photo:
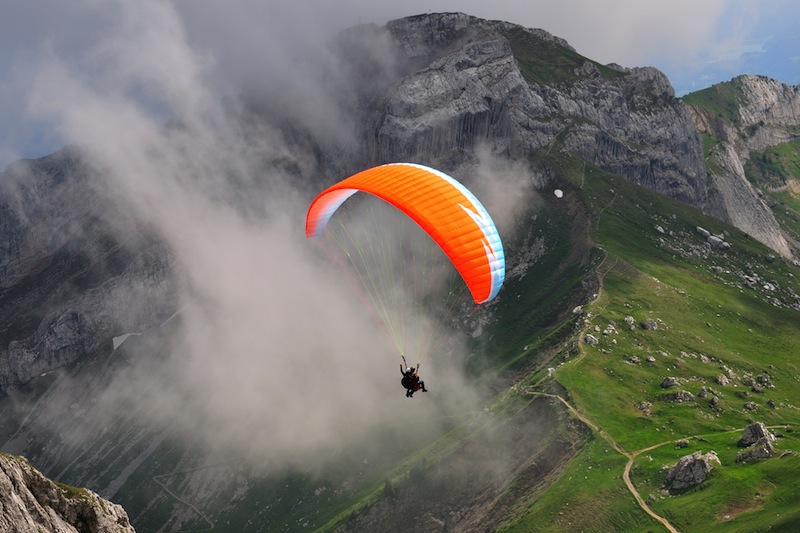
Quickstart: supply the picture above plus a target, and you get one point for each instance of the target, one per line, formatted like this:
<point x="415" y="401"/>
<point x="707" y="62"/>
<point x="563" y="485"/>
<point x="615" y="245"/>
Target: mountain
<point x="33" y="503"/>
<point x="75" y="269"/>
<point x="617" y="272"/>
<point x="747" y="115"/>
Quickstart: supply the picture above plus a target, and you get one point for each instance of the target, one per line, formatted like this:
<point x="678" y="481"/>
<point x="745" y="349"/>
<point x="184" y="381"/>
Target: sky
<point x="108" y="75"/>
<point x="695" y="43"/>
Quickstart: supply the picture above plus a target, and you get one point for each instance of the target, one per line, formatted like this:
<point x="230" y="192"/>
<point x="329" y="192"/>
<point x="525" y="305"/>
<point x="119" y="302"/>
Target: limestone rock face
<point x="770" y="104"/>
<point x="29" y="502"/>
<point x="737" y="202"/>
<point x="466" y="87"/>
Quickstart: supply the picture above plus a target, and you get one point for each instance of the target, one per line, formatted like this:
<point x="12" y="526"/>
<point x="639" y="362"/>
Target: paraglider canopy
<point x="442" y="206"/>
<point x="398" y="241"/>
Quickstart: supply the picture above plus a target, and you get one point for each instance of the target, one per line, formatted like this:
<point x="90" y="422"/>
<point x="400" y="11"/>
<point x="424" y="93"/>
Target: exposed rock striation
<point x="31" y="503"/>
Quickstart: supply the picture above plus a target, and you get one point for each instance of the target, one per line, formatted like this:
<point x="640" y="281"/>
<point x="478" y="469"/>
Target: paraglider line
<point x="361" y="293"/>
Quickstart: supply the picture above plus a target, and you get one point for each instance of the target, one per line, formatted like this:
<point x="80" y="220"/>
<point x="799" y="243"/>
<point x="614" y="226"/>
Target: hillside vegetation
<point x="710" y="322"/>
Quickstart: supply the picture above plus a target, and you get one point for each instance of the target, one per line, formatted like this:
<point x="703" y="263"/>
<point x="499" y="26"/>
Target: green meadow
<point x="710" y="322"/>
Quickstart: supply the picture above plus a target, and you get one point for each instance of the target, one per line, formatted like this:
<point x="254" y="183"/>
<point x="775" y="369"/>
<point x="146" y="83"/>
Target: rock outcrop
<point x="764" y="448"/>
<point x="31" y="503"/>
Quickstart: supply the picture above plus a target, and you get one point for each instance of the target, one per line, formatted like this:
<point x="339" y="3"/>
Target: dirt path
<point x="185" y="502"/>
<point x="631" y="456"/>
<point x="158" y="480"/>
<point x="626" y="476"/>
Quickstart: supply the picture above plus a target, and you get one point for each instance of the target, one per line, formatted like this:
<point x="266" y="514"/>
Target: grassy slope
<point x="705" y="310"/>
<point x="547" y="62"/>
<point x="721" y="99"/>
<point x="529" y="320"/>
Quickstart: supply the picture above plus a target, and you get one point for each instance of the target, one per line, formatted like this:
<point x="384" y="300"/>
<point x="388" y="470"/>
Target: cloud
<point x="276" y="356"/>
<point x="276" y="350"/>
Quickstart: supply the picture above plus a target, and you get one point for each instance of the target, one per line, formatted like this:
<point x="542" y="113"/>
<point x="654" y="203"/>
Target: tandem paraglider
<point x="409" y="279"/>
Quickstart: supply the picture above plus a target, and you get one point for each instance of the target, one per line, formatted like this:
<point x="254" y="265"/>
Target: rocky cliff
<point x="467" y="82"/>
<point x="748" y="114"/>
<point x="29" y="502"/>
<point x="523" y="92"/>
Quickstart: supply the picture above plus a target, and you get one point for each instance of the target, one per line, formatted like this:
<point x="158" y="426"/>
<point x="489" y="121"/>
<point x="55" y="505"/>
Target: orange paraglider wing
<point x="442" y="206"/>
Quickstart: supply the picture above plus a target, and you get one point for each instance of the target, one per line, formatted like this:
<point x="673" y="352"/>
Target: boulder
<point x="690" y="471"/>
<point x="680" y="396"/>
<point x="650" y="324"/>
<point x="668" y="382"/>
<point x="755" y="432"/>
<point x="763" y="448"/>
<point x="715" y="241"/>
<point x="610" y="330"/>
